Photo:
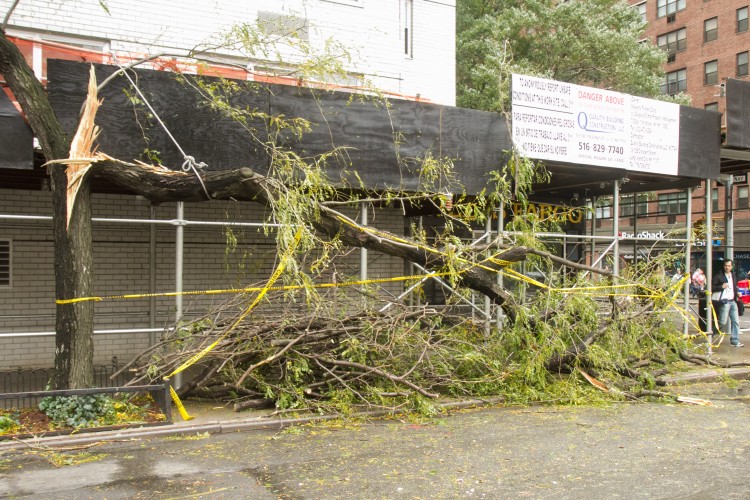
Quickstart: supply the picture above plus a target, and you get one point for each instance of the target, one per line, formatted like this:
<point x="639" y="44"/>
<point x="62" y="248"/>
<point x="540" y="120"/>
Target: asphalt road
<point x="625" y="450"/>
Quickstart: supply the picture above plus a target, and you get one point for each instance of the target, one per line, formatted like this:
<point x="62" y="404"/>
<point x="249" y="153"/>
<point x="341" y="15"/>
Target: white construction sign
<point x="564" y="122"/>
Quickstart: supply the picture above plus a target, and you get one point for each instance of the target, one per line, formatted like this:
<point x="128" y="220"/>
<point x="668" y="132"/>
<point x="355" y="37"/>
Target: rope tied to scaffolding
<point x="189" y="164"/>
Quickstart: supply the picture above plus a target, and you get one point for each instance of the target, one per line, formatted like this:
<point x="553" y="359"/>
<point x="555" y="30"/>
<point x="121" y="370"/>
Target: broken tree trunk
<point x="73" y="254"/>
<point x="160" y="184"/>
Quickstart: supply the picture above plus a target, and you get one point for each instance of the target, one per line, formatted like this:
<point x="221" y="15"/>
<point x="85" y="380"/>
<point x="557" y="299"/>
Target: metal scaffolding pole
<point x="363" y="250"/>
<point x="152" y="276"/>
<point x="178" y="264"/>
<point x="709" y="267"/>
<point x="487" y="302"/>
<point x="729" y="218"/>
<point x="688" y="248"/>
<point x="500" y="229"/>
<point x="593" y="230"/>
<point x="616" y="228"/>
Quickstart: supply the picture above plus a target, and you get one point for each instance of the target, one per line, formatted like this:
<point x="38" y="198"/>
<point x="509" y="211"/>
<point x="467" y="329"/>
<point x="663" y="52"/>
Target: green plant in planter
<point x="7" y="424"/>
<point x="95" y="410"/>
<point x="79" y="411"/>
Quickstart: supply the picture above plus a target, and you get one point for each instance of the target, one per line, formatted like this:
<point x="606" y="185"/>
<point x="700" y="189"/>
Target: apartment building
<point x="393" y="45"/>
<point x="707" y="43"/>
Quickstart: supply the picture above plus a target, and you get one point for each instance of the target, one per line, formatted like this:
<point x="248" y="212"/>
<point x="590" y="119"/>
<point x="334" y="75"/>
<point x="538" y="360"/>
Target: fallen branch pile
<point x="295" y="356"/>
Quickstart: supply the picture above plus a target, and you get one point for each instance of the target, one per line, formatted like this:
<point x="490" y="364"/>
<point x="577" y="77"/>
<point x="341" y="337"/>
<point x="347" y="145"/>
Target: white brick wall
<point x="371" y="29"/>
<point x="121" y="266"/>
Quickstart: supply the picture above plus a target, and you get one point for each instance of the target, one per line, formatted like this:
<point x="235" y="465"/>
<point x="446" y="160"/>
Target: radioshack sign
<point x="644" y="234"/>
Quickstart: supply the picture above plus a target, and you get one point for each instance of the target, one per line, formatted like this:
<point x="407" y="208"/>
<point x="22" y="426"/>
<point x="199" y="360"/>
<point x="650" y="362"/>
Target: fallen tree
<point x="349" y="354"/>
<point x="315" y="356"/>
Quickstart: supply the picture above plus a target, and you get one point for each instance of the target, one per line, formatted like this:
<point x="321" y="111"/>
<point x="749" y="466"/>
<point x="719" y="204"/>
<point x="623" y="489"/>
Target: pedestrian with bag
<point x="725" y="295"/>
<point x="698" y="282"/>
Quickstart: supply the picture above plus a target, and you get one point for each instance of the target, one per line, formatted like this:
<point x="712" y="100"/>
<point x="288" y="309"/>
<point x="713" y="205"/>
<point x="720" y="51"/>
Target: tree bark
<point x="74" y="323"/>
<point x="73" y="254"/>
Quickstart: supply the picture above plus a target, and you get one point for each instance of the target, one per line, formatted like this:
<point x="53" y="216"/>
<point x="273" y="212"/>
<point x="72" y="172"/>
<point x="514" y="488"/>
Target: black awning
<point x="16" y="139"/>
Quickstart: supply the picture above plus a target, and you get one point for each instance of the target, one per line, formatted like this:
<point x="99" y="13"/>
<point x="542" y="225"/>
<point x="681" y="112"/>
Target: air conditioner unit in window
<point x="671" y="58"/>
<point x="671" y="18"/>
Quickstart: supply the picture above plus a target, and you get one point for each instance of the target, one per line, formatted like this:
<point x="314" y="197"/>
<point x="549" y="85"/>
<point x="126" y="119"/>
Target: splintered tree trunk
<point x="74" y="342"/>
<point x="73" y="261"/>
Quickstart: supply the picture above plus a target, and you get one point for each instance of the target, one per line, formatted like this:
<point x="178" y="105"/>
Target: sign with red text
<point x="571" y="123"/>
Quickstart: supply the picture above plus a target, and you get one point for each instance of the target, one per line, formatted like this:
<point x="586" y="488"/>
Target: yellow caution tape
<point x="504" y="269"/>
<point x="275" y="276"/>
<point x="254" y="289"/>
<point x="183" y="412"/>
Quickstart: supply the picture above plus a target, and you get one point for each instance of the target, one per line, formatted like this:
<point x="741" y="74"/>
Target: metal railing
<point x="15" y="385"/>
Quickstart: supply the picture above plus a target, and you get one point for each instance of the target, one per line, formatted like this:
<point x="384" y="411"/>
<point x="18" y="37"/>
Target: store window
<point x="673" y="41"/>
<point x="711" y="73"/>
<point x="672" y="203"/>
<point x="711" y="29"/>
<point x="741" y="19"/>
<point x="666" y="7"/>
<point x="742" y="63"/>
<point x="674" y="82"/>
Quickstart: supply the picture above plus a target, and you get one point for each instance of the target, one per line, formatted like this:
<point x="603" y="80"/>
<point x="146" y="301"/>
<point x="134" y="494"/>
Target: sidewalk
<point x="722" y="353"/>
<point x="208" y="418"/>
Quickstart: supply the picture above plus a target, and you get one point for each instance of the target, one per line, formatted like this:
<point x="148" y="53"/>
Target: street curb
<point x="213" y="427"/>
<point x="258" y="423"/>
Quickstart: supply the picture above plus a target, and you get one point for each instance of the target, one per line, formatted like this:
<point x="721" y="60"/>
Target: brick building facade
<point x="706" y="43"/>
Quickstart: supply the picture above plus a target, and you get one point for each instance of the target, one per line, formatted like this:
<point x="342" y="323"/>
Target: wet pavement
<point x="624" y="450"/>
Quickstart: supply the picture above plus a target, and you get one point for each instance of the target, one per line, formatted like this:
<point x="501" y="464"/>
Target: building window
<point x="602" y="209"/>
<point x="711" y="73"/>
<point x="742" y="64"/>
<point x="742" y="197"/>
<point x="715" y="199"/>
<point x="674" y="82"/>
<point x="711" y="106"/>
<point x="407" y="26"/>
<point x="283" y="25"/>
<point x="741" y="19"/>
<point x="664" y="7"/>
<point x="641" y="7"/>
<point x="5" y="263"/>
<point x="711" y="29"/>
<point x="356" y="3"/>
<point x="604" y="212"/>
<point x="629" y="205"/>
<point x="672" y="203"/>
<point x="674" y="41"/>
